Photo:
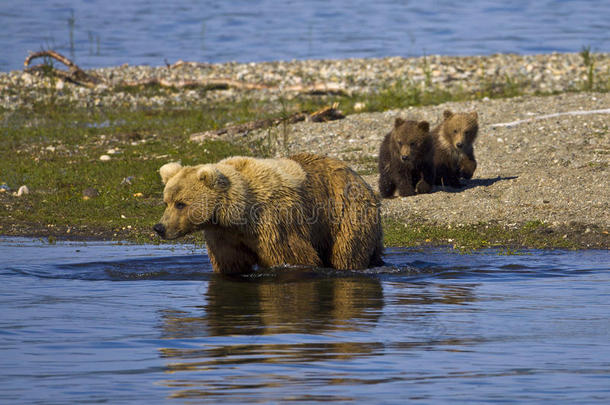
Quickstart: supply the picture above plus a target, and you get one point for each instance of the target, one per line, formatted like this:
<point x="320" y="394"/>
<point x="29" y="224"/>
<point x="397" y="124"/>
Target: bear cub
<point x="406" y="159"/>
<point x="453" y="148"/>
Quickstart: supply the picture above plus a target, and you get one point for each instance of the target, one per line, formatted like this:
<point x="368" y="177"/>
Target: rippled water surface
<point x="100" y="322"/>
<point x="112" y="32"/>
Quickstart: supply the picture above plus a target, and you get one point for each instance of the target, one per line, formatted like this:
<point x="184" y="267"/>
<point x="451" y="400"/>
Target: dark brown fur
<point x="453" y="148"/>
<point x="406" y="159"/>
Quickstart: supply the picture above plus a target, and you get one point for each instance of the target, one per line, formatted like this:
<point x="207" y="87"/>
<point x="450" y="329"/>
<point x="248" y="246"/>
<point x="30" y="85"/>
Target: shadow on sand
<point x="472" y="183"/>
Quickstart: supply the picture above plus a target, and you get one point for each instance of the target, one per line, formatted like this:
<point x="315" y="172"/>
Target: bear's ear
<point x="169" y="170"/>
<point x="213" y="178"/>
<point x="447" y="114"/>
<point x="398" y="122"/>
<point x="474" y="115"/>
<point x="424" y="126"/>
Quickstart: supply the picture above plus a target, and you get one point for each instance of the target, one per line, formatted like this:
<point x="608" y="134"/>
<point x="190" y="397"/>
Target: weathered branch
<point x="323" y="115"/>
<point x="211" y="84"/>
<point x="75" y="73"/>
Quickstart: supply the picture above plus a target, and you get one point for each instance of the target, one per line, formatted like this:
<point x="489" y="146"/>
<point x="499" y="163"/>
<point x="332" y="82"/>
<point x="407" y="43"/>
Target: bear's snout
<point x="405" y="158"/>
<point x="160" y="229"/>
<point x="459" y="145"/>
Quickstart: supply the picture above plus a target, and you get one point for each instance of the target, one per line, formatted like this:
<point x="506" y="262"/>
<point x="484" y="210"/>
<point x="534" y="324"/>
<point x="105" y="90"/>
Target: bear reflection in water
<point x="243" y="321"/>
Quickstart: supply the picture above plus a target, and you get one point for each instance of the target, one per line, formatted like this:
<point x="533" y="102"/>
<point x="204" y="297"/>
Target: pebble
<point x="23" y="190"/>
<point x="90" y="192"/>
<point x="104" y="158"/>
<point x="127" y="181"/>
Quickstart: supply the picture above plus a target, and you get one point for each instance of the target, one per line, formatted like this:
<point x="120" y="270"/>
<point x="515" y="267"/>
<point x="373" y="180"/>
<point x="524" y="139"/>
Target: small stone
<point x="23" y="190"/>
<point x="90" y="192"/>
<point x="111" y="151"/>
<point x="50" y="148"/>
<point x="359" y="106"/>
<point x="127" y="181"/>
<point x="59" y="85"/>
<point x="104" y="158"/>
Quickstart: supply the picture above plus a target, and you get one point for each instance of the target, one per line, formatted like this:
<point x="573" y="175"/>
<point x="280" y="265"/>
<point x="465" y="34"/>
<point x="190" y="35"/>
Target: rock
<point x="90" y="192"/>
<point x="104" y="158"/>
<point x="359" y="106"/>
<point x="127" y="181"/>
<point x="23" y="190"/>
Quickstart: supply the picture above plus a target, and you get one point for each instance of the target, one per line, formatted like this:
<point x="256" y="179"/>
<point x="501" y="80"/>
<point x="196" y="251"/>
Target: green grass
<point x="531" y="234"/>
<point x="144" y="140"/>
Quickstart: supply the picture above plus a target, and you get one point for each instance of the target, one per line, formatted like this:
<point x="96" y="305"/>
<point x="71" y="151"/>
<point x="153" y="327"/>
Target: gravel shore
<point x="532" y="74"/>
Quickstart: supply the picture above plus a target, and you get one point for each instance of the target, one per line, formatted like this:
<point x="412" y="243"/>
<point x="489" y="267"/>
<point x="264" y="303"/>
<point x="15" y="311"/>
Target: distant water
<point x="105" y="323"/>
<point x="100" y="33"/>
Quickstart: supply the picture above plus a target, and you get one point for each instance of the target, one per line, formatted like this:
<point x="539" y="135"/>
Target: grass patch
<point x="57" y="155"/>
<point x="531" y="234"/>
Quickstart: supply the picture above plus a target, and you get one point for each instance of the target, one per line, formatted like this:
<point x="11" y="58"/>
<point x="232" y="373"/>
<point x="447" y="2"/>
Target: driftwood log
<point x="326" y="114"/>
<point x="78" y="76"/>
<point x="75" y="74"/>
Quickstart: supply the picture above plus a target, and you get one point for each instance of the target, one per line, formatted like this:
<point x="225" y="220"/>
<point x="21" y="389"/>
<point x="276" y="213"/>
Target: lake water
<point x="101" y="322"/>
<point x="99" y="33"/>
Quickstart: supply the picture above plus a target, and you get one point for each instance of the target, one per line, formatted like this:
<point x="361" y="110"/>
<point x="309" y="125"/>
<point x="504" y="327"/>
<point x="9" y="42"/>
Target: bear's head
<point x="460" y="129"/>
<point x="195" y="196"/>
<point x="411" y="139"/>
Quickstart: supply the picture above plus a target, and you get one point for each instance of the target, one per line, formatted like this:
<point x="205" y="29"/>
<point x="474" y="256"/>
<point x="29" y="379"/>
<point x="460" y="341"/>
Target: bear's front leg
<point x="467" y="166"/>
<point x="405" y="187"/>
<point x="423" y="186"/>
<point x="229" y="256"/>
<point x="386" y="186"/>
<point x="427" y="175"/>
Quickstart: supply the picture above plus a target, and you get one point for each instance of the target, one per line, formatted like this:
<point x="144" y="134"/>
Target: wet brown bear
<point x="406" y="159"/>
<point x="453" y="148"/>
<point x="303" y="210"/>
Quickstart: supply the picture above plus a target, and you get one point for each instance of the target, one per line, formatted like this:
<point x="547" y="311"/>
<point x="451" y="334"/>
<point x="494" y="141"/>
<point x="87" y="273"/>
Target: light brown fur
<point x="453" y="147"/>
<point x="305" y="210"/>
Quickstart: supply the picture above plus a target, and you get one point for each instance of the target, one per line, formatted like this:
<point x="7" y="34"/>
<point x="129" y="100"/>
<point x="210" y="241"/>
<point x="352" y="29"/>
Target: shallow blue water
<point x="110" y="32"/>
<point x="100" y="322"/>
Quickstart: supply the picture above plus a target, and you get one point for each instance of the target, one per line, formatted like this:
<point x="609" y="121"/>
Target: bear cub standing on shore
<point x="406" y="159"/>
<point x="453" y="148"/>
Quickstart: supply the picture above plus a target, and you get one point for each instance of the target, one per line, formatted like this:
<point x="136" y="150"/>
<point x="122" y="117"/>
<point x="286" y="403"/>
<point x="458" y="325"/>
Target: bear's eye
<point x="412" y="144"/>
<point x="180" y="205"/>
<point x="399" y="143"/>
<point x="455" y="131"/>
